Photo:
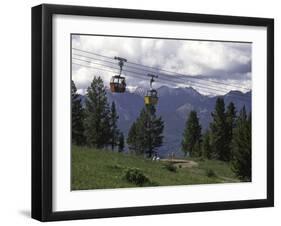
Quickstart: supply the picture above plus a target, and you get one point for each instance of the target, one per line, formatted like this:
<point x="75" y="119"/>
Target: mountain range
<point x="173" y="106"/>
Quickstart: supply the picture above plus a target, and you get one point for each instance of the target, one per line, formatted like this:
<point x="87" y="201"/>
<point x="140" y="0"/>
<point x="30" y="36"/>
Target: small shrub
<point x="171" y="167"/>
<point x="136" y="176"/>
<point x="210" y="173"/>
<point x="180" y="166"/>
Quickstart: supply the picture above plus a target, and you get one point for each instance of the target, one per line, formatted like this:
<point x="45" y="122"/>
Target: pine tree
<point x="121" y="142"/>
<point x="219" y="134"/>
<point x="141" y="125"/>
<point x="242" y="147"/>
<point x="145" y="134"/>
<point x="77" y="117"/>
<point x="230" y="122"/>
<point x="192" y="135"/>
<point x="231" y="114"/>
<point x="97" y="126"/>
<point x="206" y="146"/>
<point x="132" y="138"/>
<point x="154" y="130"/>
<point x="197" y="150"/>
<point x="114" y="132"/>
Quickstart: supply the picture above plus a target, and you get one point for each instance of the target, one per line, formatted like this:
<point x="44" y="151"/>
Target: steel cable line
<point x="90" y="62"/>
<point x="111" y="62"/>
<point x="159" y="69"/>
<point x="97" y="68"/>
<point x="167" y="81"/>
<point x="130" y="75"/>
<point x="241" y="98"/>
<point x="134" y="72"/>
<point x="136" y="68"/>
<point x="198" y="85"/>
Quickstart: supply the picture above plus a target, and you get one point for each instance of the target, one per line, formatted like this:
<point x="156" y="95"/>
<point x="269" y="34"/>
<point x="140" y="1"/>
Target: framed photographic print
<point x="145" y="112"/>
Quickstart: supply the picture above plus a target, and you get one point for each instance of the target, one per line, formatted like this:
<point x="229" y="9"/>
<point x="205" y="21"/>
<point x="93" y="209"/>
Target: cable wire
<point x="167" y="81"/>
<point x="157" y="69"/>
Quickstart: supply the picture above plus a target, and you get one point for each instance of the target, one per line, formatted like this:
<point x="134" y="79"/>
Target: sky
<point x="210" y="67"/>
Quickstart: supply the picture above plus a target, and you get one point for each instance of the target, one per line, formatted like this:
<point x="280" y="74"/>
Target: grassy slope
<point x="93" y="169"/>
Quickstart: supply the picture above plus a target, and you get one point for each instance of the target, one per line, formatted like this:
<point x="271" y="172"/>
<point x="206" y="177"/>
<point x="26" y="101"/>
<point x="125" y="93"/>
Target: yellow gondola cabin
<point x="151" y="97"/>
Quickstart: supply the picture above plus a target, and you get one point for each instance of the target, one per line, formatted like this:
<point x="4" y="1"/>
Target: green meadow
<point x="101" y="169"/>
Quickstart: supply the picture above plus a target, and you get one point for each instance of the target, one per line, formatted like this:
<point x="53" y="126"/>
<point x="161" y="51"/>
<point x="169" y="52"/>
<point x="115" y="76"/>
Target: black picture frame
<point x="42" y="107"/>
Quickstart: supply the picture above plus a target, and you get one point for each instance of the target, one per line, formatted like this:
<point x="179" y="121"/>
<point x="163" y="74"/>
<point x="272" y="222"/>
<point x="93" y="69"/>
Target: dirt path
<point x="181" y="163"/>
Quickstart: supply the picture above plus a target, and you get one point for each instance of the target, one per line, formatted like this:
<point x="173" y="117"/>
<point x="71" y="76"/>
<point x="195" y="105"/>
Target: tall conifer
<point x="219" y="132"/>
<point x="242" y="147"/>
<point x="97" y="126"/>
<point x="146" y="133"/>
<point x="192" y="135"/>
<point x="114" y="131"/>
<point x="206" y="146"/>
<point x="77" y="117"/>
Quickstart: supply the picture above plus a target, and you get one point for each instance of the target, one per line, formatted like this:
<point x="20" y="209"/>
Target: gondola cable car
<point x="151" y="97"/>
<point x="118" y="82"/>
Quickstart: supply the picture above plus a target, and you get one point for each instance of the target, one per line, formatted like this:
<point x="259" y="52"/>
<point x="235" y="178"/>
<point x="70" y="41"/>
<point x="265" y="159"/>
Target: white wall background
<point x="15" y="118"/>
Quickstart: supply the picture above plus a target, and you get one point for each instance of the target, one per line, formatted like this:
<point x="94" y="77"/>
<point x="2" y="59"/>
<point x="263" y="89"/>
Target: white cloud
<point x="225" y="62"/>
